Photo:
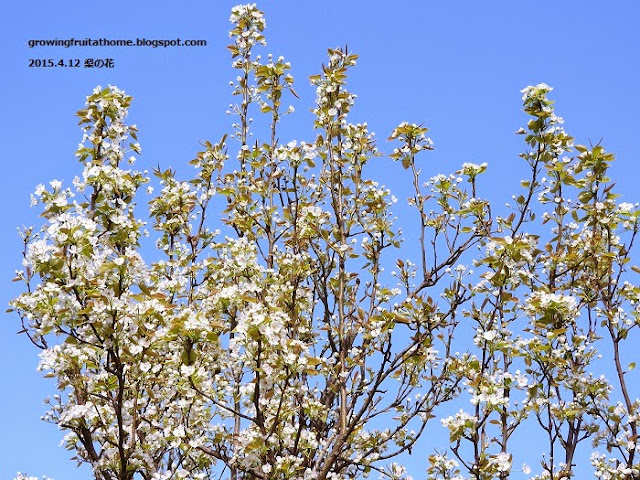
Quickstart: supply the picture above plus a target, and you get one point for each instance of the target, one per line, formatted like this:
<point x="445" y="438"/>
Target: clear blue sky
<point x="458" y="66"/>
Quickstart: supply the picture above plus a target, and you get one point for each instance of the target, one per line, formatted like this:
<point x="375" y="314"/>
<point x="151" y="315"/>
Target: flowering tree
<point x="277" y="347"/>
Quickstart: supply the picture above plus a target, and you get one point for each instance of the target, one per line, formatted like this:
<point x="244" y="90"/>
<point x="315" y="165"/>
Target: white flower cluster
<point x="398" y="472"/>
<point x="250" y="23"/>
<point x="626" y="207"/>
<point x="443" y="184"/>
<point x="492" y="395"/>
<point x="611" y="469"/>
<point x="406" y="131"/>
<point x="472" y="170"/>
<point x="501" y="462"/>
<point x="172" y="208"/>
<point x="294" y="153"/>
<point x="332" y="100"/>
<point x="543" y="303"/>
<point x="460" y="425"/>
<point x="24" y="476"/>
<point x="535" y="91"/>
<point x="440" y="466"/>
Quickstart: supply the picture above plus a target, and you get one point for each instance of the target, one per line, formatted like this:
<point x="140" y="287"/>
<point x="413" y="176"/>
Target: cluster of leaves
<point x="276" y="347"/>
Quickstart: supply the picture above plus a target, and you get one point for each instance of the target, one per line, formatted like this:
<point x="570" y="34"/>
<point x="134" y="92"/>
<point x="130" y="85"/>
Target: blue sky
<point x="457" y="66"/>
